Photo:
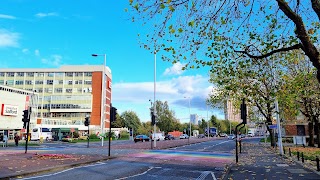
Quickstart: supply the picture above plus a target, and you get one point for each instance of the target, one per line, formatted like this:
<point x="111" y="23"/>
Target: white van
<point x="158" y="136"/>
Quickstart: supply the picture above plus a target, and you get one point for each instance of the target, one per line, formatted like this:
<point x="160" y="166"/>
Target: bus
<point x="40" y="132"/>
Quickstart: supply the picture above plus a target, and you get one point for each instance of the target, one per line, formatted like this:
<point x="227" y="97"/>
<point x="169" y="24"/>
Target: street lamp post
<point x="189" y="118"/>
<point x="154" y="98"/>
<point x="208" y="122"/>
<point x="103" y="95"/>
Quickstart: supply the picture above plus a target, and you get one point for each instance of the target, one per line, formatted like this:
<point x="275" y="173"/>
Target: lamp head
<point x="94" y="55"/>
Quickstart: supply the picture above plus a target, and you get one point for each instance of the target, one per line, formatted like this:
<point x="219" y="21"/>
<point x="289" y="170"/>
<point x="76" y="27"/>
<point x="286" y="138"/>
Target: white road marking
<point x="91" y="165"/>
<point x="136" y="174"/>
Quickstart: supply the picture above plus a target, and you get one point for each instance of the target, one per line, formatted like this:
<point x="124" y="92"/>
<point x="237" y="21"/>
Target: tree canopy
<point x="202" y="32"/>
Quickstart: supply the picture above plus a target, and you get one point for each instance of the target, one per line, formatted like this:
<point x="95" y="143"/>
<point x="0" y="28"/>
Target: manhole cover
<point x="282" y="165"/>
<point x="297" y="171"/>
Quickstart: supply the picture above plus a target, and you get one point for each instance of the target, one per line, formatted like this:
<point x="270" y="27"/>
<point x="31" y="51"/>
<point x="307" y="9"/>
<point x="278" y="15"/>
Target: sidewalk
<point x="260" y="161"/>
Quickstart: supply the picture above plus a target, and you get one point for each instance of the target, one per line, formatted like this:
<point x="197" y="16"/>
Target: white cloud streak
<point x="42" y="15"/>
<point x="5" y="16"/>
<point x="54" y="60"/>
<point x="37" y="52"/>
<point x="8" y="39"/>
<point x="176" y="69"/>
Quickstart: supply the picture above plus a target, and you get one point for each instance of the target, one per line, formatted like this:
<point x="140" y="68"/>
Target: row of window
<point x="47" y="82"/>
<point x="57" y="115"/>
<point x="65" y="106"/>
<point x="42" y="74"/>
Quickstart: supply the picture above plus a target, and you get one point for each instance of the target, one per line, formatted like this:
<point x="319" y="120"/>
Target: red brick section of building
<point x="296" y="129"/>
<point x="96" y="101"/>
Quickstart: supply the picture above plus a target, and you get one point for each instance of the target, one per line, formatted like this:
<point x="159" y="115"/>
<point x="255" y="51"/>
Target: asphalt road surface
<point x="204" y="160"/>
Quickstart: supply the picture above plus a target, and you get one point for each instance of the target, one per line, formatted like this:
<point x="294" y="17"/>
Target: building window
<point x="30" y="74"/>
<point x="69" y="74"/>
<point x="20" y="74"/>
<point x="39" y="74"/>
<point x="60" y="81"/>
<point x="10" y="74"/>
<point x="80" y="81"/>
<point x="49" y="82"/>
<point x="48" y="90"/>
<point x="50" y="74"/>
<point x="87" y="82"/>
<point x="29" y="82"/>
<point x="39" y="82"/>
<point x="79" y="90"/>
<point x="78" y="74"/>
<point x="9" y="82"/>
<point x="88" y="74"/>
<point x="2" y="74"/>
<point x="40" y="90"/>
<point x="59" y="74"/>
<point x="69" y="90"/>
<point x="1" y="82"/>
<point x="19" y="82"/>
<point x="69" y="82"/>
<point x="58" y="90"/>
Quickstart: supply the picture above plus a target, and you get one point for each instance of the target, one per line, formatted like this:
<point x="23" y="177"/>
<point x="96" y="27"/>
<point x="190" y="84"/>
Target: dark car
<point x="141" y="138"/>
<point x="169" y="137"/>
<point x="201" y="136"/>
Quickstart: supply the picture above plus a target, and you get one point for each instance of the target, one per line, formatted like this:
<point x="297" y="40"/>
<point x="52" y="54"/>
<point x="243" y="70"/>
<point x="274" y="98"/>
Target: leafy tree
<point x="118" y="123"/>
<point x="301" y="91"/>
<point x="165" y="117"/>
<point x="258" y="83"/>
<point x="201" y="32"/>
<point x="131" y="120"/>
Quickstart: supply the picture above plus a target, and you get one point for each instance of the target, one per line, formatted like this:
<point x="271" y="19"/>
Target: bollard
<point x="289" y="152"/>
<point x="298" y="155"/>
<point x="317" y="160"/>
<point x="284" y="150"/>
<point x="302" y="158"/>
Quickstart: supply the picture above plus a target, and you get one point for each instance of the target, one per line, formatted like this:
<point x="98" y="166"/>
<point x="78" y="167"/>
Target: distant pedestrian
<point x="16" y="139"/>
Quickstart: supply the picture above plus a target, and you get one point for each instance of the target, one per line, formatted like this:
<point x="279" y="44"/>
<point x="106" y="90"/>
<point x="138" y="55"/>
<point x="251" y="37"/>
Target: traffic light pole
<point x="88" y="138"/>
<point x="28" y="129"/>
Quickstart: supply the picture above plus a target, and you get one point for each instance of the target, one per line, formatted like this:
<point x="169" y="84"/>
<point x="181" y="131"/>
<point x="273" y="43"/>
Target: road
<point x="205" y="160"/>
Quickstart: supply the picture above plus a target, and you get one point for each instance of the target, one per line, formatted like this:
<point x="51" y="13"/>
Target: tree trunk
<point x="317" y="132"/>
<point x="272" y="138"/>
<point x="311" y="134"/>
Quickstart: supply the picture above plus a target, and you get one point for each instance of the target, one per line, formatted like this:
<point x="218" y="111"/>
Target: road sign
<point x="273" y="126"/>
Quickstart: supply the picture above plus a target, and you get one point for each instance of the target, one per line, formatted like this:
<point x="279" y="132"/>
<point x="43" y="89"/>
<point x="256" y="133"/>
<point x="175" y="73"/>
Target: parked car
<point x="201" y="136"/>
<point x="184" y="136"/>
<point x="141" y="138"/>
<point x="169" y="137"/>
<point x="157" y="137"/>
<point x="231" y="136"/>
<point x="250" y="134"/>
<point x="242" y="136"/>
<point x="223" y="135"/>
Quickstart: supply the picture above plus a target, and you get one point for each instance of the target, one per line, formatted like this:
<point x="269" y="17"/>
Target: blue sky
<point x="48" y="34"/>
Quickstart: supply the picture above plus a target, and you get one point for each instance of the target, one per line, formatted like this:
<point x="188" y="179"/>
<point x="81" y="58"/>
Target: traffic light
<point x="87" y="121"/>
<point x="153" y="119"/>
<point x="113" y="114"/>
<point x="243" y="109"/>
<point x="25" y="118"/>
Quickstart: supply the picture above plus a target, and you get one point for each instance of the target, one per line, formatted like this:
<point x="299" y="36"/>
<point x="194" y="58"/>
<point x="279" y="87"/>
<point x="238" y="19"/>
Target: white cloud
<point x="41" y="15"/>
<point x="37" y="52"/>
<point x="176" y="69"/>
<point x="135" y="96"/>
<point x="4" y="16"/>
<point x="25" y="51"/>
<point x="54" y="60"/>
<point x="8" y="39"/>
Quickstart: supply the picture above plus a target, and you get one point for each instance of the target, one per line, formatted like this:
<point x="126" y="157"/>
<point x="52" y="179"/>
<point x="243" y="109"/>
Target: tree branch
<point x="296" y="46"/>
<point x="316" y="7"/>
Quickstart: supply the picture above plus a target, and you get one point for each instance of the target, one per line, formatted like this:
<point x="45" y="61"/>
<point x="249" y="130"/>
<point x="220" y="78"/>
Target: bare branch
<point x="296" y="46"/>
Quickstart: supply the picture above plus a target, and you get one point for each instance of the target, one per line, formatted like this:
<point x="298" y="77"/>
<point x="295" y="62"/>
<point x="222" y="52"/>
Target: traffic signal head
<point x="243" y="109"/>
<point x="25" y="116"/>
<point x="113" y="114"/>
<point x="153" y="119"/>
<point x="87" y="121"/>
